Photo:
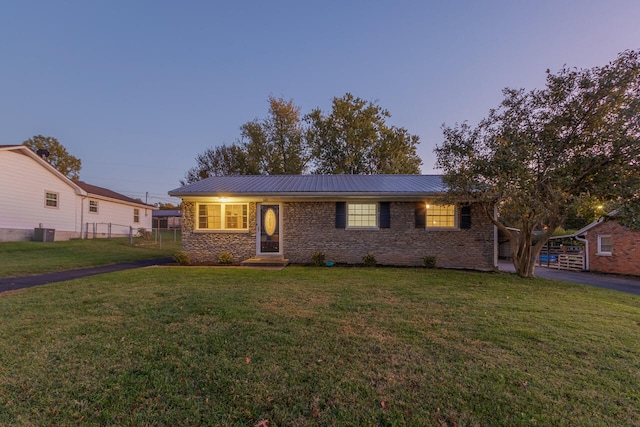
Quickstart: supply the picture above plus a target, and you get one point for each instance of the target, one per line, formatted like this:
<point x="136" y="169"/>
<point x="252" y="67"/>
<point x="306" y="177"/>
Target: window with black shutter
<point x="465" y="217"/>
<point x="341" y="215"/>
<point x="421" y="215"/>
<point x="385" y="215"/>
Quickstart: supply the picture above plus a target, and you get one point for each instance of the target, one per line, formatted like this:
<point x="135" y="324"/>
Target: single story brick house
<point x="396" y="218"/>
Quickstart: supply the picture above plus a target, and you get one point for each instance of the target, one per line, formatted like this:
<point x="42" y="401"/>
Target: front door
<point x="269" y="237"/>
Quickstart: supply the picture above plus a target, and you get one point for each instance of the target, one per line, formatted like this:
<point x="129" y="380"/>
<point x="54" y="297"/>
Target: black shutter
<point x="465" y="216"/>
<point x="341" y="214"/>
<point x="385" y="215"/>
<point x="421" y="215"/>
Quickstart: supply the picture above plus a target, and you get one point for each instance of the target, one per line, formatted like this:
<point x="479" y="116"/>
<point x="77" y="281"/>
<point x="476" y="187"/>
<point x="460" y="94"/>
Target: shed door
<point x="269" y="235"/>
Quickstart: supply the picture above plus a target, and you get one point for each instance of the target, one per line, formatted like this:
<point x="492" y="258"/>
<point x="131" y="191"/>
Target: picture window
<point x="223" y="216"/>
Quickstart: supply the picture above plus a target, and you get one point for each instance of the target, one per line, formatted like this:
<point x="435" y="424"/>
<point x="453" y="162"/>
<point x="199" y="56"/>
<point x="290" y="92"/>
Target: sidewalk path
<point x="13" y="283"/>
<point x="607" y="281"/>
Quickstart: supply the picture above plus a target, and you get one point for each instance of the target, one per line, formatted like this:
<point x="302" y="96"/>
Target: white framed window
<point x="223" y="216"/>
<point x="136" y="215"/>
<point x="50" y="199"/>
<point x="362" y="215"/>
<point x="441" y="216"/>
<point x="605" y="245"/>
<point x="93" y="206"/>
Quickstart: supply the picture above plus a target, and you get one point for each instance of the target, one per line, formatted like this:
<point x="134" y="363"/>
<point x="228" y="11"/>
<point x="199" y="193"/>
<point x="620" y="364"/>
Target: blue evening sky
<point x="136" y="89"/>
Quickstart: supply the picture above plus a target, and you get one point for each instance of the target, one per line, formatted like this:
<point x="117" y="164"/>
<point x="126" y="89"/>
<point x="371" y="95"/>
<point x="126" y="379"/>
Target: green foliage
<point x="352" y="138"/>
<point x="181" y="258"/>
<point x="429" y="261"/>
<point x="225" y="258"/>
<point x="59" y="157"/>
<point x="219" y="161"/>
<point x="542" y="153"/>
<point x="369" y="260"/>
<point x="318" y="258"/>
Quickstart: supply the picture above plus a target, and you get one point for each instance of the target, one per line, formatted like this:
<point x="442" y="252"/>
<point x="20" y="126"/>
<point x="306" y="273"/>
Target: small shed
<point x="167" y="219"/>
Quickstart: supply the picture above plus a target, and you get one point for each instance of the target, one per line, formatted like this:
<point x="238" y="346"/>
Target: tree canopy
<point x="352" y="138"/>
<point x="58" y="155"/>
<point x="542" y="152"/>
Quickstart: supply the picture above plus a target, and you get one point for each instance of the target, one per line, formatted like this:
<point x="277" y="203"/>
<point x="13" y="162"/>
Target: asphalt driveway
<point x="607" y="281"/>
<point x="13" y="283"/>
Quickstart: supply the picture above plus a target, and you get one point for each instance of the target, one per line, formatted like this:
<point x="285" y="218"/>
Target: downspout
<point x="586" y="251"/>
<point x="82" y="214"/>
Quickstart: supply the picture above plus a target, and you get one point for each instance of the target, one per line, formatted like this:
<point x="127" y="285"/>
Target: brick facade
<point x="310" y="226"/>
<point x="625" y="252"/>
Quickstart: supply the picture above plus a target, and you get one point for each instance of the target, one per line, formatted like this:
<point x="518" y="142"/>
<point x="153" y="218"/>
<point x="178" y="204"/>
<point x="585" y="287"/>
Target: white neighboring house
<point x="34" y="195"/>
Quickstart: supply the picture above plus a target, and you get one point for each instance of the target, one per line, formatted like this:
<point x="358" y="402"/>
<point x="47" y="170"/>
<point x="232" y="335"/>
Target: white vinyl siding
<point x="23" y="203"/>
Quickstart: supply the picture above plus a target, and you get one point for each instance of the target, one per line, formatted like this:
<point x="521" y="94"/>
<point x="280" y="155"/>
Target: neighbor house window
<point x="51" y="199"/>
<point x="93" y="206"/>
<point x="362" y="215"/>
<point x="136" y="215"/>
<point x="441" y="216"/>
<point x="223" y="216"/>
<point x="605" y="245"/>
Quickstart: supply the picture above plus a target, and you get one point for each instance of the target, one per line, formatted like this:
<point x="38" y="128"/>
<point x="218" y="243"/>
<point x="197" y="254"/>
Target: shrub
<point x="181" y="258"/>
<point x="369" y="260"/>
<point x="318" y="258"/>
<point x="429" y="261"/>
<point x="144" y="233"/>
<point x="225" y="258"/>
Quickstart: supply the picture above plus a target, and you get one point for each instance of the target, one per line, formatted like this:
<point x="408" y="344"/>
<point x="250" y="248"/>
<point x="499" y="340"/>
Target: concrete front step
<point x="265" y="262"/>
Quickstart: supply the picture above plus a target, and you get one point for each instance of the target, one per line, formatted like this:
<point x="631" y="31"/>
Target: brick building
<point x="398" y="219"/>
<point x="611" y="247"/>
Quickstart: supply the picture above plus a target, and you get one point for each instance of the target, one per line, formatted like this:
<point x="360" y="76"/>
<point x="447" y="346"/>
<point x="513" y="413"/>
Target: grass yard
<point x="25" y="258"/>
<point x="318" y="346"/>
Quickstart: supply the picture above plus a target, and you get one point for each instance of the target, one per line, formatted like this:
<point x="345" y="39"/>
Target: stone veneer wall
<point x="311" y="226"/>
<point x="625" y="253"/>
<point x="205" y="246"/>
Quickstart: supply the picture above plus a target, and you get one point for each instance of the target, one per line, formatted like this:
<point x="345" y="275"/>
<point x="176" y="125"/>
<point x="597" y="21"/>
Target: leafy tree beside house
<point x="543" y="152"/>
<point x="57" y="155"/>
<point x="353" y="138"/>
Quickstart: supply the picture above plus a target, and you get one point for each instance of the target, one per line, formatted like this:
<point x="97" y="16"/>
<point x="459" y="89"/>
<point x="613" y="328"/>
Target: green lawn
<point x="318" y="346"/>
<point x="25" y="258"/>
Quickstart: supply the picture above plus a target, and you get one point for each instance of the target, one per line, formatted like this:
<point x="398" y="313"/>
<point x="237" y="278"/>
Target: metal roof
<point x="314" y="186"/>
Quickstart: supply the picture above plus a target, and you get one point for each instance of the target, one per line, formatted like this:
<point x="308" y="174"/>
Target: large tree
<point x="542" y="152"/>
<point x="218" y="161"/>
<point x="271" y="146"/>
<point x="56" y="155"/>
<point x="276" y="145"/>
<point x="355" y="138"/>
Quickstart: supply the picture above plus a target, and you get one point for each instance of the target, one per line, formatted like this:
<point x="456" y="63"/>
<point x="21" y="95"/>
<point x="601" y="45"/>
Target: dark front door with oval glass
<point x="269" y="229"/>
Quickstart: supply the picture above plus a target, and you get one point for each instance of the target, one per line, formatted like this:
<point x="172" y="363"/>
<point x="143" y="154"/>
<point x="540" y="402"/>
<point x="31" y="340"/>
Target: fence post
<point x="109" y="231"/>
<point x="130" y="236"/>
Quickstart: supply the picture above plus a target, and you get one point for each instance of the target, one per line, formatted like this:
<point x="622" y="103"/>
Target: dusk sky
<point x="136" y="89"/>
